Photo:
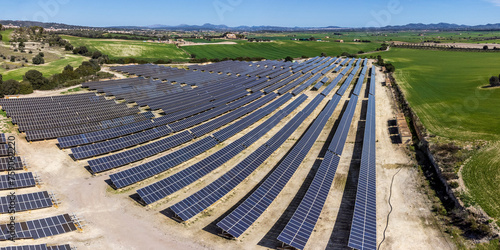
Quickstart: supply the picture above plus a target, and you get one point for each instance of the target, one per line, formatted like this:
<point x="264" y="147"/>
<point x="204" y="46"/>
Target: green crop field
<point x="130" y="48"/>
<point x="482" y="177"/>
<point x="445" y="90"/>
<point x="278" y="49"/>
<point x="6" y="35"/>
<point x="47" y="69"/>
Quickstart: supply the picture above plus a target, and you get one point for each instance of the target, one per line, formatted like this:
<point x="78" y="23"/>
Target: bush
<point x="288" y="59"/>
<point x="9" y="87"/>
<point x="453" y="184"/>
<point x="12" y="58"/>
<point x="41" y="54"/>
<point x="25" y="88"/>
<point x="38" y="60"/>
<point x="36" y="79"/>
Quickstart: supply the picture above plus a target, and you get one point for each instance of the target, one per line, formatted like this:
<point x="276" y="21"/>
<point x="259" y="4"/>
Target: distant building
<point x="230" y="36"/>
<point x="357" y="40"/>
<point x="339" y="41"/>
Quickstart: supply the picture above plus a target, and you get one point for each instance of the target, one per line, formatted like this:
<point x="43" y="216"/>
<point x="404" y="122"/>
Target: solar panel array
<point x="301" y="225"/>
<point x="204" y="198"/>
<point x="173" y="183"/>
<point x="3" y="140"/>
<point x="11" y="163"/>
<point x="363" y="233"/>
<point x="166" y="162"/>
<point x="25" y="202"/>
<point x="38" y="247"/>
<point x="247" y="212"/>
<point x="40" y="228"/>
<point x="19" y="180"/>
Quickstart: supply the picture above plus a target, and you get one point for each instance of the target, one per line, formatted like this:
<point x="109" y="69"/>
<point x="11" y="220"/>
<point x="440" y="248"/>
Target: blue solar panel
<point x="245" y="214"/>
<point x="373" y="80"/>
<point x="202" y="199"/>
<point x="154" y="167"/>
<point x="301" y="225"/>
<point x="338" y="141"/>
<point x="364" y="223"/>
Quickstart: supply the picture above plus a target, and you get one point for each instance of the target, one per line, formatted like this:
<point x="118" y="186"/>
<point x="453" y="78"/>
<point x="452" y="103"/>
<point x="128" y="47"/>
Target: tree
<point x="9" y="87"/>
<point x="0" y="36"/>
<point x="485" y="47"/>
<point x="193" y="56"/>
<point x="323" y="54"/>
<point x="21" y="45"/>
<point x="389" y="67"/>
<point x="38" y="60"/>
<point x="36" y="79"/>
<point x="25" y="88"/>
<point x="68" y="47"/>
<point x="288" y="59"/>
<point x="41" y="54"/>
<point x="96" y="54"/>
<point x="494" y="81"/>
<point x="12" y="58"/>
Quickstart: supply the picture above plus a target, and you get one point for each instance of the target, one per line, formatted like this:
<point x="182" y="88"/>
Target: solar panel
<point x="338" y="141"/>
<point x="301" y="225"/>
<point x="11" y="163"/>
<point x="26" y="247"/>
<point x="25" y="202"/>
<point x="41" y="228"/>
<point x="238" y="221"/>
<point x="202" y="199"/>
<point x="363" y="233"/>
<point x="19" y="180"/>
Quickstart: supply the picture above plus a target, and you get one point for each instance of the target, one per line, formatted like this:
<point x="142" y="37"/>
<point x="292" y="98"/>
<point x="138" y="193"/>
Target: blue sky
<point x="312" y="13"/>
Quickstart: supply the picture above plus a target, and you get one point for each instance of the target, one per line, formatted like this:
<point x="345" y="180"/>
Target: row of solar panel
<point x="25" y="202"/>
<point x="299" y="228"/>
<point x="38" y="247"/>
<point x="82" y="139"/>
<point x="247" y="212"/>
<point x="171" y="184"/>
<point x="138" y="153"/>
<point x="40" y="228"/>
<point x="363" y="233"/>
<point x="207" y="196"/>
<point x="52" y="133"/>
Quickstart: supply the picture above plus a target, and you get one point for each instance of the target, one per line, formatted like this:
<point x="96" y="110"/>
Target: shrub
<point x="25" y="88"/>
<point x="9" y="87"/>
<point x="38" y="60"/>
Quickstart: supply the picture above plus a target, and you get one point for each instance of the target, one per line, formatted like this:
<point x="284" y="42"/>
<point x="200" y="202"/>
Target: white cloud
<point x="495" y="2"/>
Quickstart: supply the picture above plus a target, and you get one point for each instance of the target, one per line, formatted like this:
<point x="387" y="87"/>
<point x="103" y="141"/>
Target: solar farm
<point x="266" y="154"/>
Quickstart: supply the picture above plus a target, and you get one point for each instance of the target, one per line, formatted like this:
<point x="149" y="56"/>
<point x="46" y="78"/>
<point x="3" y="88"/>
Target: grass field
<point x="278" y="49"/>
<point x="130" y="48"/>
<point x="444" y="88"/>
<point x="482" y="178"/>
<point x="47" y="69"/>
<point x="6" y="35"/>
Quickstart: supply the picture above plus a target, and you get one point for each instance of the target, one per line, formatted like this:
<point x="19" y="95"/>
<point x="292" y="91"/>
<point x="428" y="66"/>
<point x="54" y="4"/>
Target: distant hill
<point x="214" y="27"/>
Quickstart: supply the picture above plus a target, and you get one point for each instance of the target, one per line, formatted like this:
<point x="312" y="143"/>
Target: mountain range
<point x="214" y="27"/>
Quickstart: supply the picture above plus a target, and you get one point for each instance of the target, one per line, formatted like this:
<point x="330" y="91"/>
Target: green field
<point x="47" y="69"/>
<point x="130" y="48"/>
<point x="482" y="177"/>
<point x="6" y="35"/>
<point x="278" y="49"/>
<point x="444" y="88"/>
